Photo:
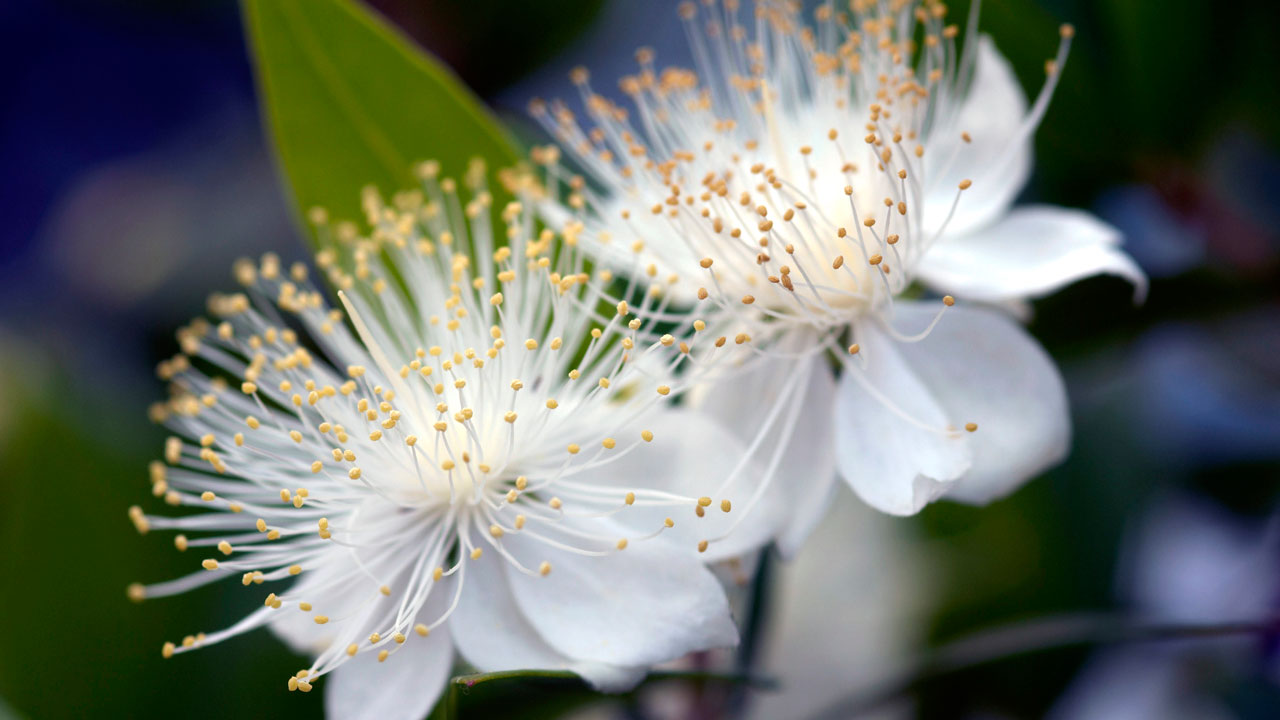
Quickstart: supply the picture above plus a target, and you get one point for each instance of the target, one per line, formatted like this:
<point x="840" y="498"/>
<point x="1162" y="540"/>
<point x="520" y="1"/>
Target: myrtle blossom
<point x="799" y="186"/>
<point x="463" y="454"/>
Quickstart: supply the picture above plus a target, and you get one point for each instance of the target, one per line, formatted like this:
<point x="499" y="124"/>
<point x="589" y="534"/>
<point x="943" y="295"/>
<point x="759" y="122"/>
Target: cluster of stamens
<point x="465" y="396"/>
<point x="741" y="179"/>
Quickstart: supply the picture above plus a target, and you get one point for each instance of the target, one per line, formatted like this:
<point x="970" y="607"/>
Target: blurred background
<point x="138" y="170"/>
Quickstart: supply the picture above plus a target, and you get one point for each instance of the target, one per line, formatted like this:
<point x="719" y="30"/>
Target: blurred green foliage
<point x="75" y="458"/>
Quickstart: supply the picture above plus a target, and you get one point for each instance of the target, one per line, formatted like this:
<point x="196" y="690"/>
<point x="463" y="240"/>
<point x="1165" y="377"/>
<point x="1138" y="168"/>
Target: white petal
<point x="297" y="629"/>
<point x="991" y="113"/>
<point x="346" y="591"/>
<point x="493" y="635"/>
<point x="806" y="472"/>
<point x="891" y="444"/>
<point x="1031" y="252"/>
<point x="641" y="606"/>
<point x="810" y="507"/>
<point x="691" y="454"/>
<point x="981" y="367"/>
<point x="405" y="687"/>
<point x="338" y="588"/>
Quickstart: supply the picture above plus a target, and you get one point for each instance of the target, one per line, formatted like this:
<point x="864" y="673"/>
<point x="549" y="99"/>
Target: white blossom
<point x="464" y="454"/>
<point x="799" y="187"/>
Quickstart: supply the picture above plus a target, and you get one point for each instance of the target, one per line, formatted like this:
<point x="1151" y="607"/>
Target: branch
<point x="1031" y="637"/>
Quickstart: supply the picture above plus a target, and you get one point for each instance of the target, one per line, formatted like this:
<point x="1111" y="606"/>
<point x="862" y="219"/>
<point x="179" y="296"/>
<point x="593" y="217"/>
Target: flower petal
<point x="692" y="455"/>
<point x="991" y="114"/>
<point x="644" y="605"/>
<point x="405" y="687"/>
<point x="493" y="635"/>
<point x="981" y="367"/>
<point x="891" y="443"/>
<point x="806" y="472"/>
<point x="354" y="606"/>
<point x="1031" y="252"/>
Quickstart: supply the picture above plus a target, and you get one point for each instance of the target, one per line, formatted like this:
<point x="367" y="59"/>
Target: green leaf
<point x="350" y="102"/>
<point x="553" y="693"/>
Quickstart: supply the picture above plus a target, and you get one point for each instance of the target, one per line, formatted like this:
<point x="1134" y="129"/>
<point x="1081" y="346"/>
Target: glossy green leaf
<point x="350" y="102"/>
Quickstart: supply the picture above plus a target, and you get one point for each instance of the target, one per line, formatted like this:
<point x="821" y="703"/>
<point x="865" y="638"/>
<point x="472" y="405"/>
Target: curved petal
<point x="692" y="455"/>
<point x="493" y="635"/>
<point x="647" y="604"/>
<point x="405" y="687"/>
<point x="1031" y="252"/>
<point x="891" y="440"/>
<point x="806" y="471"/>
<point x="810" y="508"/>
<point x="991" y="113"/>
<point x="346" y="589"/>
<point x="981" y="367"/>
<point x="297" y="629"/>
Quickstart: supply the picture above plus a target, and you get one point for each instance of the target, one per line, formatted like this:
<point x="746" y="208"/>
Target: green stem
<point x="461" y="685"/>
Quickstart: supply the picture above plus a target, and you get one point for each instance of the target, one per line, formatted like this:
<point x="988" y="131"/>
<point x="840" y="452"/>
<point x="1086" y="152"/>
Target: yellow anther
<point x="646" y="435"/>
<point x="544" y="569"/>
<point x="422" y="630"/>
<point x="725" y="506"/>
<point x="971" y="427"/>
<point x="224" y="547"/>
<point x="476" y="553"/>
<point x="209" y="564"/>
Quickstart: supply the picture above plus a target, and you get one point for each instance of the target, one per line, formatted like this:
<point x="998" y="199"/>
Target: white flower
<point x="798" y="185"/>
<point x="484" y="463"/>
